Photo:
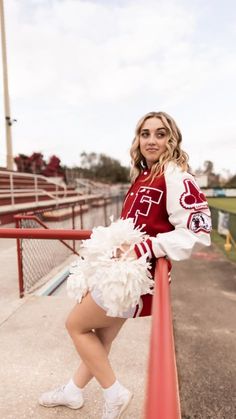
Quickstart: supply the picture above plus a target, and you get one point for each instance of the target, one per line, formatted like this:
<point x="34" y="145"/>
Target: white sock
<point x="71" y="389"/>
<point x="113" y="391"/>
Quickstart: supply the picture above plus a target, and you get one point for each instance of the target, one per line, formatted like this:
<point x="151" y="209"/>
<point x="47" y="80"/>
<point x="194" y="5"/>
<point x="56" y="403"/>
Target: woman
<point x="165" y="198"/>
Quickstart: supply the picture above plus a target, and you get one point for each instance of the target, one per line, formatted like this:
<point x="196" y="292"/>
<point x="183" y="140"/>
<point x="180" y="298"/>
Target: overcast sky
<point x="82" y="72"/>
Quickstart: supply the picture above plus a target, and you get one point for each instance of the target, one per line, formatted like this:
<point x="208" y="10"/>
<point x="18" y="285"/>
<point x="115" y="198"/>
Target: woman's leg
<point x="106" y="335"/>
<point x="85" y="317"/>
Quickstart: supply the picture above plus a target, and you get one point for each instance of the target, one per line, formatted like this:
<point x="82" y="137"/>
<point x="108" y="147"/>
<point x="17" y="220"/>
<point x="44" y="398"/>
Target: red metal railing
<point x="52" y="234"/>
<point x="20" y="217"/>
<point x="33" y="233"/>
<point x="162" y="395"/>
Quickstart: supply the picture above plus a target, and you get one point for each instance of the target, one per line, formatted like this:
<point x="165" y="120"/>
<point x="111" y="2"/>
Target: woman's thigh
<point x="88" y="315"/>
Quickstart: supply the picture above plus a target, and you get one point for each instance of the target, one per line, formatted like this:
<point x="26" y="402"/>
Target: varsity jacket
<point x="174" y="214"/>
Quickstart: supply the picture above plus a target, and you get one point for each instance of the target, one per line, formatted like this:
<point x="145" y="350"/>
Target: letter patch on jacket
<point x="145" y="200"/>
<point x="192" y="198"/>
<point x="199" y="221"/>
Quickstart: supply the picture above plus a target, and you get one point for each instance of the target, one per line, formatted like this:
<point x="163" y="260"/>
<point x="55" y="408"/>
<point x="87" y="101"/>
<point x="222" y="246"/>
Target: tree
<point x="37" y="165"/>
<point x="231" y="183"/>
<point x="53" y="167"/>
<point x="103" y="168"/>
<point x="208" y="167"/>
<point x="23" y="163"/>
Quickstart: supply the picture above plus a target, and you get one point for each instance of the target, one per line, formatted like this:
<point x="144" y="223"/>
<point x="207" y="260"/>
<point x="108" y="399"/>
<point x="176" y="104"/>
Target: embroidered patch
<point x="198" y="221"/>
<point x="192" y="198"/>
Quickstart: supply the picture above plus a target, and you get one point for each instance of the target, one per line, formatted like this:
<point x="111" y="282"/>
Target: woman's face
<point x="153" y="139"/>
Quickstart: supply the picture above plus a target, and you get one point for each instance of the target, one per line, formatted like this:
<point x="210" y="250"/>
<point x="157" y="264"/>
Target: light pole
<point x="8" y="120"/>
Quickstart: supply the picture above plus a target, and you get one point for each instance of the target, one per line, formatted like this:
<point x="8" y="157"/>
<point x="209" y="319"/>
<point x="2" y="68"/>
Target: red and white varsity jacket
<point x="175" y="216"/>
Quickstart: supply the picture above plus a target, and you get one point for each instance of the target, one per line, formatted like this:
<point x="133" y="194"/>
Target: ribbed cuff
<point x="144" y="248"/>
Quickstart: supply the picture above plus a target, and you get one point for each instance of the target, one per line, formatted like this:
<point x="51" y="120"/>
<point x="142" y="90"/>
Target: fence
<point x="34" y="186"/>
<point x="37" y="258"/>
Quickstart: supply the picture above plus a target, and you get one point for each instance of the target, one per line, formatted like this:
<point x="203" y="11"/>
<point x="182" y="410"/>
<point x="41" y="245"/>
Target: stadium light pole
<point x="8" y="120"/>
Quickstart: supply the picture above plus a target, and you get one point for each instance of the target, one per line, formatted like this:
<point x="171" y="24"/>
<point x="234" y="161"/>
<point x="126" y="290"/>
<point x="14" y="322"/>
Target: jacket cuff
<point x="144" y="248"/>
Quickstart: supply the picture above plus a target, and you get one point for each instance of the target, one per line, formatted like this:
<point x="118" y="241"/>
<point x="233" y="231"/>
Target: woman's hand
<point x="125" y="251"/>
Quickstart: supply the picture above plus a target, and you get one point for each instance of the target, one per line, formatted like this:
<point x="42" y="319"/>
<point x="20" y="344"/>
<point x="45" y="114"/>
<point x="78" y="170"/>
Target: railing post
<point x="105" y="211"/>
<point x="117" y="206"/>
<point x="36" y="188"/>
<point x="81" y="216"/>
<point x="73" y="223"/>
<point x="20" y="262"/>
<point x="57" y="188"/>
<point x="162" y="394"/>
<point x="12" y="188"/>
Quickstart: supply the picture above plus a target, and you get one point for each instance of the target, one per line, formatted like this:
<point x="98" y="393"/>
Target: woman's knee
<point x="106" y="342"/>
<point x="73" y="325"/>
<point x="107" y="335"/>
<point x="69" y="324"/>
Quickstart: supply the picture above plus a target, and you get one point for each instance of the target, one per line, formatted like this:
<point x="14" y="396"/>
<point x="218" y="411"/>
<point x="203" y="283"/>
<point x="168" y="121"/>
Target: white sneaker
<point x="116" y="408"/>
<point x="58" y="397"/>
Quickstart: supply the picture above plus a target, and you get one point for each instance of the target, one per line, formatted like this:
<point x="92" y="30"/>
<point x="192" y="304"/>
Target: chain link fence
<point x="37" y="258"/>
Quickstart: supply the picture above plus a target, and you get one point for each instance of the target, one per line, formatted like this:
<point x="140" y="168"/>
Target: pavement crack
<point x="11" y="314"/>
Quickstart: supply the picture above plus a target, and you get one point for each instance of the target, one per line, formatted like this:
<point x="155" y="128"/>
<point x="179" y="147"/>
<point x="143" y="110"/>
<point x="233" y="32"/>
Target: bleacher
<point x="19" y="189"/>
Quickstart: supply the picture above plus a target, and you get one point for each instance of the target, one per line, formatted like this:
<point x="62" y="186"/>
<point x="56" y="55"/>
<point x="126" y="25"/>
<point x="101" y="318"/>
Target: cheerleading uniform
<point x="174" y="214"/>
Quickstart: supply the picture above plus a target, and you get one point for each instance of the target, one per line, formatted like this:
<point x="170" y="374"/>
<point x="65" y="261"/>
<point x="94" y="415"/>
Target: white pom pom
<point x="105" y="239"/>
<point x="77" y="282"/>
<point x="121" y="282"/>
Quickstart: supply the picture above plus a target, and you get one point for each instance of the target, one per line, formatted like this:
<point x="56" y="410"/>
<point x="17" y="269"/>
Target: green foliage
<point x="231" y="183"/>
<point x="102" y="168"/>
<point x="93" y="166"/>
<point x="220" y="241"/>
<point x="225" y="204"/>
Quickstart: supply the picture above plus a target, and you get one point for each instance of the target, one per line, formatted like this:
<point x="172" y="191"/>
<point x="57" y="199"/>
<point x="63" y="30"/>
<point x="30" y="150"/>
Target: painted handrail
<point x="58" y="184"/>
<point x="162" y="394"/>
<point x="52" y="234"/>
<point x="33" y="233"/>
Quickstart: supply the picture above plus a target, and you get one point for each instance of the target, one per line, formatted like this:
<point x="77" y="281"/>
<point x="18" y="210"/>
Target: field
<point x="226" y="204"/>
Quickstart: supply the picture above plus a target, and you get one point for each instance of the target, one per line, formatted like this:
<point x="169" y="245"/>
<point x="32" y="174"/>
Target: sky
<point x="82" y="73"/>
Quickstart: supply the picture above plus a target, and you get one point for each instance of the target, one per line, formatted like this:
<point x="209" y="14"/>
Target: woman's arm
<point x="189" y="214"/>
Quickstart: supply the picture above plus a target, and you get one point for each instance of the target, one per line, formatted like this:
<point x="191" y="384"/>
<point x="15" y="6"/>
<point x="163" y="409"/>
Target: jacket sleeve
<point x="189" y="214"/>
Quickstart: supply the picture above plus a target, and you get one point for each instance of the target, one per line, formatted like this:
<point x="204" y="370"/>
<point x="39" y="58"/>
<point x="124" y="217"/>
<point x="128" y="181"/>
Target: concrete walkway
<point x="204" y="307"/>
<point x="37" y="354"/>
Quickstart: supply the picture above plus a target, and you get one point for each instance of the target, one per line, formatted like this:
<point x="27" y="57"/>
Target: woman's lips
<point x="151" y="149"/>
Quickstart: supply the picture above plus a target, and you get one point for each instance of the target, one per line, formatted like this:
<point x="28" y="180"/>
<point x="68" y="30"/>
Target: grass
<point x="220" y="241"/>
<point x="226" y="204"/>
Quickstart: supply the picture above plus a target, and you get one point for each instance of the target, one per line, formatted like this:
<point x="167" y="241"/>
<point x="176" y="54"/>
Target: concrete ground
<point x="36" y="353"/>
<point x="204" y="311"/>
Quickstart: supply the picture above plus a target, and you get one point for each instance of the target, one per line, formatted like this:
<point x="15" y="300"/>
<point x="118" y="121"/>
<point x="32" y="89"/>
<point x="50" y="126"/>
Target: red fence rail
<point x="50" y="234"/>
<point x="33" y="233"/>
<point x="162" y="394"/>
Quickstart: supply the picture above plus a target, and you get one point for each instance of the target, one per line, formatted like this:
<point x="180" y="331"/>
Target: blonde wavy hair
<point x="173" y="148"/>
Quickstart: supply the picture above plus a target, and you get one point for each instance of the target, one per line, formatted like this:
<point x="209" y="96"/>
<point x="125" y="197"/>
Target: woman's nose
<point x="151" y="139"/>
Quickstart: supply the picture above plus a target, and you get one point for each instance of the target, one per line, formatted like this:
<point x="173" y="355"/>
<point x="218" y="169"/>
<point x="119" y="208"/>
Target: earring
<point x="143" y="164"/>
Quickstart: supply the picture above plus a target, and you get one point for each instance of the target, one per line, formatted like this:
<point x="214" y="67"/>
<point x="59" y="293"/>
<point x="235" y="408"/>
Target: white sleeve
<point x="189" y="214"/>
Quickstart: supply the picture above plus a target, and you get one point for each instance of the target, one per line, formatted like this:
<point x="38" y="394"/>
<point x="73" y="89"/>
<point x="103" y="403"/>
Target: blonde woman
<point x="166" y="199"/>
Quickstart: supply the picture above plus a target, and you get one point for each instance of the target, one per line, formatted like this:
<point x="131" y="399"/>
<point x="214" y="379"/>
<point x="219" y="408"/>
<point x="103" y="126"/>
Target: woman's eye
<point x="161" y="134"/>
<point x="144" y="134"/>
